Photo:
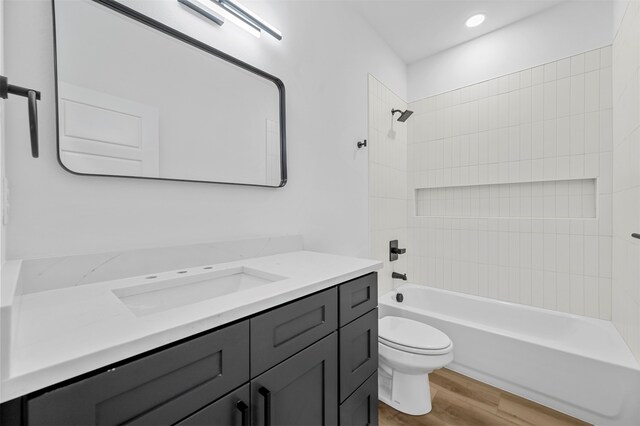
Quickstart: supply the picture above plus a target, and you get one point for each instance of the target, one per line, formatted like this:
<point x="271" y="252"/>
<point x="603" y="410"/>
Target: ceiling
<point x="416" y="29"/>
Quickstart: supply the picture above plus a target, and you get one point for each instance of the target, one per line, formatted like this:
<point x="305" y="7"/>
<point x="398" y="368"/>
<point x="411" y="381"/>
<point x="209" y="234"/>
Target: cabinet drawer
<point x="158" y="389"/>
<point x="301" y="390"/>
<point x="357" y="297"/>
<point x="227" y="411"/>
<point x="361" y="408"/>
<point x="358" y="352"/>
<point x="280" y="333"/>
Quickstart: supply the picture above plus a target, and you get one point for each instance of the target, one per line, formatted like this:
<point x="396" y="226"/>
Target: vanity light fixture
<point x="250" y="28"/>
<point x="204" y="8"/>
<point x="475" y="20"/>
<point x="215" y="12"/>
<point x="246" y="15"/>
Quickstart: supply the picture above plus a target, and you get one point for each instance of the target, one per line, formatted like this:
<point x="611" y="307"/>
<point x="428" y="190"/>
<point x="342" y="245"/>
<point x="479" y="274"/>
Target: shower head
<point x="404" y="115"/>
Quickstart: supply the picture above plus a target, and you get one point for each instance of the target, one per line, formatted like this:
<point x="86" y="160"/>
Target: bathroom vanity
<point x="309" y="360"/>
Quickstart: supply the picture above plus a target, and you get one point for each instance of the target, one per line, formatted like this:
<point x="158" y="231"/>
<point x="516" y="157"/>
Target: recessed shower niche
<point x="574" y="199"/>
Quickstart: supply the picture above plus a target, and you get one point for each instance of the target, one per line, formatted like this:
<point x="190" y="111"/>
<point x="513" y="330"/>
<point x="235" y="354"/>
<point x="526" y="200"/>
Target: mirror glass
<point x="138" y="99"/>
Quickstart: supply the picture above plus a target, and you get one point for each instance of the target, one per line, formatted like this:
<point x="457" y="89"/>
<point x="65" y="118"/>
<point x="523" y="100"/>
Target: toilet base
<point x="408" y="393"/>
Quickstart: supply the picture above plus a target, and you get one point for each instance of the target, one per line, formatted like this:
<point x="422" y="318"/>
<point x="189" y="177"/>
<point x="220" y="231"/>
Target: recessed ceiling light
<point x="475" y="20"/>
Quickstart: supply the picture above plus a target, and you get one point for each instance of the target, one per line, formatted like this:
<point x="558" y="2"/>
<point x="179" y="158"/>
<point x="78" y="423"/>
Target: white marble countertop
<point x="62" y="333"/>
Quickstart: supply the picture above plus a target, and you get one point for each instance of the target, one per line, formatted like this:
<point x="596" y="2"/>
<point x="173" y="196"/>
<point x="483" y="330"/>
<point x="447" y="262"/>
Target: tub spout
<point x="397" y="275"/>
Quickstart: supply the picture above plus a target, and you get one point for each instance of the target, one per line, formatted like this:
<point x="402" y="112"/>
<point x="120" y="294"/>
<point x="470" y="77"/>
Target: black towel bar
<point x="33" y="96"/>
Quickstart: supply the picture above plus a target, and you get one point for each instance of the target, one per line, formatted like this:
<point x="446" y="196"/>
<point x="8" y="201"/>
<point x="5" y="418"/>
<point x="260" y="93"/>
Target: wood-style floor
<point x="460" y="401"/>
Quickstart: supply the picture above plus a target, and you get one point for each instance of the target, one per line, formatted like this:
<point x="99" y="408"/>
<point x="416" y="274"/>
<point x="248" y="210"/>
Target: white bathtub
<point x="577" y="365"/>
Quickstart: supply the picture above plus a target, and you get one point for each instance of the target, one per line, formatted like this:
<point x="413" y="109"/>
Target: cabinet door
<point x="301" y="390"/>
<point x="358" y="352"/>
<point x="357" y="297"/>
<point x="11" y="412"/>
<point x="158" y="389"/>
<point x="286" y="330"/>
<point x="230" y="410"/>
<point x="361" y="408"/>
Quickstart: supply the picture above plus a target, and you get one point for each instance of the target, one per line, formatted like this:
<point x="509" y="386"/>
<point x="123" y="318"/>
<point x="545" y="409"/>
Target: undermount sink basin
<point x="187" y="287"/>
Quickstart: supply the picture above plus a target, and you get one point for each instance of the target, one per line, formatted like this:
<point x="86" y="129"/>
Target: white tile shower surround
<point x="65" y="332"/>
<point x="552" y="124"/>
<point x="387" y="180"/>
<point x="626" y="178"/>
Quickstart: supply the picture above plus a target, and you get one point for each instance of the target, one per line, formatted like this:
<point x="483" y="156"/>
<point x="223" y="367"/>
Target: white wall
<point x="619" y="8"/>
<point x="546" y="245"/>
<point x="626" y="178"/>
<point x="54" y="213"/>
<point x="2" y="166"/>
<point x="387" y="181"/>
<point x="556" y="33"/>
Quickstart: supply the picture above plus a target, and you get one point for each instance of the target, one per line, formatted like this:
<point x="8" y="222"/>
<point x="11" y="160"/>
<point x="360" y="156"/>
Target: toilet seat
<point x="412" y="336"/>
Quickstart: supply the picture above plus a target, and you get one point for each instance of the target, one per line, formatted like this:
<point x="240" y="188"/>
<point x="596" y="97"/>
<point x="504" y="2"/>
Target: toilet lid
<point x="411" y="334"/>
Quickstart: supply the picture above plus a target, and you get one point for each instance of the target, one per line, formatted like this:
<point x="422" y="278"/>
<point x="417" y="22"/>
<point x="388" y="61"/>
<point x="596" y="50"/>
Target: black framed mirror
<point x="139" y="99"/>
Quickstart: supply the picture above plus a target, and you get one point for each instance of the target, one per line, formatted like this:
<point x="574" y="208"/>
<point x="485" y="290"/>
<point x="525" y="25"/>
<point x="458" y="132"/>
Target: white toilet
<point x="408" y="351"/>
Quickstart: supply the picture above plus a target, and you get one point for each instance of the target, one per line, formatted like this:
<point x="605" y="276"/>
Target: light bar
<point x="250" y="28"/>
<point x="249" y="17"/>
<point x="203" y="8"/>
<point x="215" y="12"/>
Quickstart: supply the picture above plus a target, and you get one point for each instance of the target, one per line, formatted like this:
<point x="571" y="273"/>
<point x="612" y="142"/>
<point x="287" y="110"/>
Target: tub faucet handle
<point x="395" y="250"/>
<point x="398" y="275"/>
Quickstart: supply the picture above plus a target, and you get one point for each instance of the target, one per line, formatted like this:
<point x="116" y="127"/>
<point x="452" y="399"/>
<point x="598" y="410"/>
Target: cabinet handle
<point x="267" y="405"/>
<point x="244" y="412"/>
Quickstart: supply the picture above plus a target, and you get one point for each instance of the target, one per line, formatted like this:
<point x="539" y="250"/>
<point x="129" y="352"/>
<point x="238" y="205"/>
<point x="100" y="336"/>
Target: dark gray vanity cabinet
<point x="312" y="361"/>
<point x="362" y="406"/>
<point x="301" y="390"/>
<point x="161" y="388"/>
<point x="358" y="354"/>
<point x="357" y="297"/>
<point x="282" y="332"/>
<point x="232" y="409"/>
